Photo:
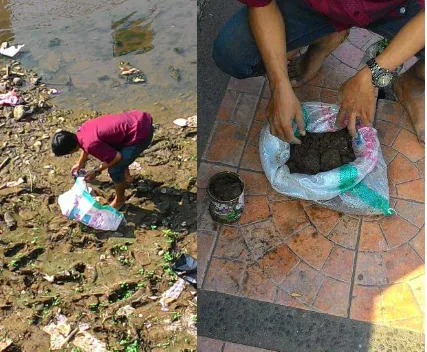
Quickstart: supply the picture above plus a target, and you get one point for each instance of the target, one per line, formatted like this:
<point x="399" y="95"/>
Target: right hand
<point x="75" y="169"/>
<point x="282" y="109"/>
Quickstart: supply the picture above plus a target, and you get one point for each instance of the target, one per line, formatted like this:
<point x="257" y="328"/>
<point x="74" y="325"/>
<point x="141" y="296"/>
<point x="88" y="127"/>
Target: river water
<point x="82" y="43"/>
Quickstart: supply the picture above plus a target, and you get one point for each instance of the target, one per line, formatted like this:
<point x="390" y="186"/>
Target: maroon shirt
<point x="346" y="13"/>
<point x="104" y="136"/>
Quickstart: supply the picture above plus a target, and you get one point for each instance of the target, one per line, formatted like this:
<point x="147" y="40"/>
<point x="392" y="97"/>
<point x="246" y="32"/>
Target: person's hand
<point x="282" y="109"/>
<point x="357" y="100"/>
<point x="75" y="169"/>
<point x="90" y="176"/>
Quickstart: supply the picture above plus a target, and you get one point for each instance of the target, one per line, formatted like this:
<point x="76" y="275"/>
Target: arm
<point x="105" y="165"/>
<point x="80" y="163"/>
<point x="358" y="93"/>
<point x="268" y="28"/>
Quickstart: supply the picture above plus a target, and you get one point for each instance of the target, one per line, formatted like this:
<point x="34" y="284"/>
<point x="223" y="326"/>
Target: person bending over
<point x="261" y="37"/>
<point x="115" y="140"/>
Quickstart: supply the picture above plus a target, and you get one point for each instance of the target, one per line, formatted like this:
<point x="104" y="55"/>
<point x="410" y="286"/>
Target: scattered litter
<point x="127" y="69"/>
<point x="9" y="98"/>
<point x="5" y="344"/>
<point x="135" y="166"/>
<point x="10" y="51"/>
<point x="175" y="73"/>
<point x="9" y="220"/>
<point x="49" y="278"/>
<point x="172" y="294"/>
<point x="58" y="332"/>
<point x="180" y="122"/>
<point x="192" y="121"/>
<point x="125" y="311"/>
<point x="88" y="343"/>
<point x="4" y="162"/>
<point x="11" y="184"/>
<point x="53" y="91"/>
<point x="295" y="294"/>
<point x="186" y="267"/>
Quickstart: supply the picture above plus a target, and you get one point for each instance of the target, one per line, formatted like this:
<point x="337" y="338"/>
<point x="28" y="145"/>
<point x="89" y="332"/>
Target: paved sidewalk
<point x="297" y="254"/>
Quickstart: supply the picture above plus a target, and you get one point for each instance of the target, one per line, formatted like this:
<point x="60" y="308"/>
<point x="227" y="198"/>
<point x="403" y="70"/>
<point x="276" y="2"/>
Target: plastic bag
<point x="78" y="204"/>
<point x="360" y="187"/>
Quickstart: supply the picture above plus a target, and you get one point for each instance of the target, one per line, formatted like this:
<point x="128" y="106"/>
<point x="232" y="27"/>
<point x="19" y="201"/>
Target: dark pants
<point x="236" y="53"/>
<point x="129" y="154"/>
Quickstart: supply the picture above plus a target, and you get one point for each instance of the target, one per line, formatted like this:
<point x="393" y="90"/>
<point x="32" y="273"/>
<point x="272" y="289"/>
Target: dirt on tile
<point x="320" y="152"/>
<point x="51" y="265"/>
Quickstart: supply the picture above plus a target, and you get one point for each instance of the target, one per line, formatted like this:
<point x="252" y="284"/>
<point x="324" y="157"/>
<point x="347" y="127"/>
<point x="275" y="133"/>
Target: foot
<point x="410" y="93"/>
<point x="117" y="204"/>
<point x="304" y="67"/>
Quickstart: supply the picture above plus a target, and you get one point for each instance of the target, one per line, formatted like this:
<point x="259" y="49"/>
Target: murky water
<point x="82" y="42"/>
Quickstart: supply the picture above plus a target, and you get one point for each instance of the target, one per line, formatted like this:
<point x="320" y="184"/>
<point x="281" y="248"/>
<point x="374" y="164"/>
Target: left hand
<point x="90" y="176"/>
<point x="357" y="100"/>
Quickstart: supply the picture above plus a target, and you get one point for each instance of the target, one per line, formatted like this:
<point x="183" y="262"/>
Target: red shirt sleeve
<point x="102" y="151"/>
<point x="256" y="3"/>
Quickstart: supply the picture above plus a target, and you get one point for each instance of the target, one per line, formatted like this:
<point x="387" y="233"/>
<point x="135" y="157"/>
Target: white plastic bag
<point x="360" y="187"/>
<point x="78" y="204"/>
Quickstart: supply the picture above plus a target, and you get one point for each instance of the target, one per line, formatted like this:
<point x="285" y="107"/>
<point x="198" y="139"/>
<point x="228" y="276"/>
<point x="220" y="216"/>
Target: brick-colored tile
<point x="251" y="159"/>
<point x="388" y="153"/>
<point x="227" y="144"/>
<point x="359" y="37"/>
<point x="206" y="223"/>
<point x="402" y="170"/>
<point x="304" y="282"/>
<point x="333" y="297"/>
<point x="402" y="264"/>
<point x="285" y="299"/>
<point x="224" y="276"/>
<point x="418" y="290"/>
<point x="397" y="230"/>
<point x="387" y="132"/>
<point x="232" y="347"/>
<point x="230" y="244"/>
<point x="205" y="344"/>
<point x="340" y="263"/>
<point x="335" y="77"/>
<point x="256" y="285"/>
<point x="254" y="133"/>
<point x="206" y="171"/>
<point x="399" y="303"/>
<point x="245" y="110"/>
<point x="346" y="232"/>
<point x="370" y="269"/>
<point x="261" y="110"/>
<point x="329" y="96"/>
<point x="276" y="196"/>
<point x="418" y="243"/>
<point x="407" y="144"/>
<point x="323" y="219"/>
<point x="366" y="303"/>
<point x="421" y="166"/>
<point x="389" y="111"/>
<point x="307" y="93"/>
<point x="372" y="238"/>
<point x="349" y="54"/>
<point x="256" y="209"/>
<point x="278" y="262"/>
<point x="392" y="188"/>
<point x="251" y="85"/>
<point x="205" y="242"/>
<point x="311" y="247"/>
<point x="261" y="237"/>
<point x="289" y="217"/>
<point x="411" y="211"/>
<point x="228" y="105"/>
<point x="412" y="190"/>
<point x="255" y="183"/>
<point x="201" y="201"/>
<point x="405" y="122"/>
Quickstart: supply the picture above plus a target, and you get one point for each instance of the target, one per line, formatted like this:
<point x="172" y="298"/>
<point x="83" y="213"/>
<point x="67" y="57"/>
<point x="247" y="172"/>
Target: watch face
<point x="384" y="79"/>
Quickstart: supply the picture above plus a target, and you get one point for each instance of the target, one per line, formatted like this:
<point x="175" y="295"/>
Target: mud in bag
<point x="359" y="188"/>
<point x="77" y="204"/>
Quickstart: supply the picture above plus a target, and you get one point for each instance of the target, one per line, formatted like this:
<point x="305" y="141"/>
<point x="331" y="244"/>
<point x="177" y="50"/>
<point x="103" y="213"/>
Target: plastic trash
<point x="186" y="267"/>
<point x="10" y="51"/>
<point x="9" y="98"/>
<point x="360" y="187"/>
<point x="78" y="204"/>
<point x="172" y="294"/>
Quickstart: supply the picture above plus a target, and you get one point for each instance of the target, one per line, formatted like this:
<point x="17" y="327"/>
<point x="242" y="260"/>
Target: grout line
<point x="353" y="274"/>
<point x="208" y="264"/>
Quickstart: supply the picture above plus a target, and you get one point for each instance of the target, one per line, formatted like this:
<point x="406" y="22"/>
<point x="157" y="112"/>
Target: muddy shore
<point x="50" y="265"/>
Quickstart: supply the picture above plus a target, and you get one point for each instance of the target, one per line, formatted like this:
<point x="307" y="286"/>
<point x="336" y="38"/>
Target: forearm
<point x="268" y="28"/>
<point x="83" y="158"/>
<point x="105" y="165"/>
<point x="408" y="41"/>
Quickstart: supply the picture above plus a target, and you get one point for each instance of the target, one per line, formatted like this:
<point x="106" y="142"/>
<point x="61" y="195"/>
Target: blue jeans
<point x="129" y="154"/>
<point x="235" y="51"/>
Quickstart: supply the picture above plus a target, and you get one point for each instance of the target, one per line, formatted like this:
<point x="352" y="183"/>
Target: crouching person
<point x="115" y="140"/>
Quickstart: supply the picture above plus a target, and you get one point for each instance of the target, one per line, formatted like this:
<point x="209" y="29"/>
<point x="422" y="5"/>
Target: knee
<point x="117" y="174"/>
<point x="228" y="58"/>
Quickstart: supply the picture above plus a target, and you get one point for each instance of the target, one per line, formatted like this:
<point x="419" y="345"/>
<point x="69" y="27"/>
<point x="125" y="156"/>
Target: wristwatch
<point x="96" y="171"/>
<point x="380" y="77"/>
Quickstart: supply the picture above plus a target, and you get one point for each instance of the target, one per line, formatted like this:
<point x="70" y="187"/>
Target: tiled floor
<point x="205" y="344"/>
<point x="298" y="254"/>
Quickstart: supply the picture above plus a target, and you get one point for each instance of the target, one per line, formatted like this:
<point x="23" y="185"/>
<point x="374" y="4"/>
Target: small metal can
<point x="226" y="211"/>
